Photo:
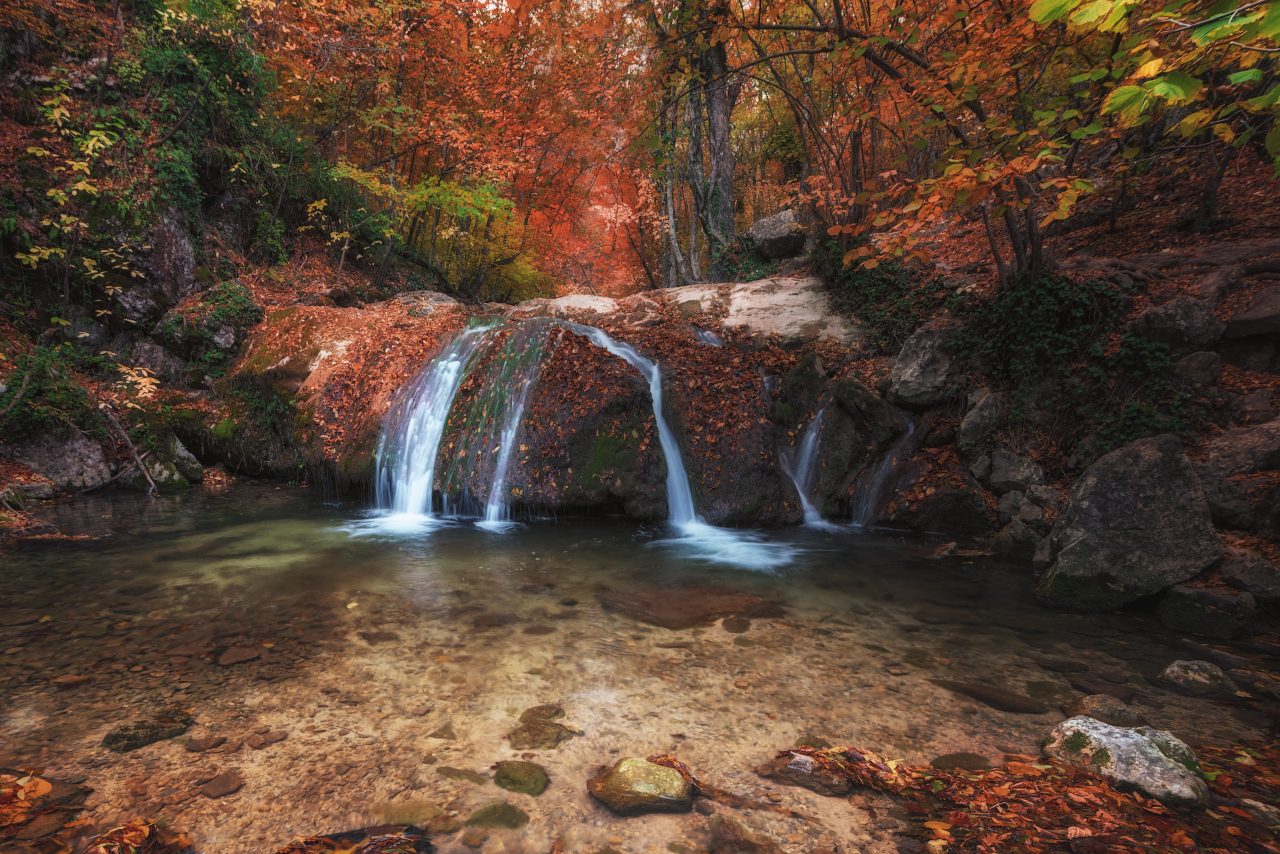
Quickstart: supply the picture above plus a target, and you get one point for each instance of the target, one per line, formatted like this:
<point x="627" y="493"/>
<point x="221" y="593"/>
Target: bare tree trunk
<point x="719" y="223"/>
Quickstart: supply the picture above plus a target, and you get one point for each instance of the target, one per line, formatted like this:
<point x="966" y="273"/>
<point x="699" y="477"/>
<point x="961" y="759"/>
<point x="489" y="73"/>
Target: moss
<point x="1073" y="591"/>
<point x="1076" y="742"/>
<point x="1101" y="757"/>
<point x="610" y="455"/>
<point x="224" y="430"/>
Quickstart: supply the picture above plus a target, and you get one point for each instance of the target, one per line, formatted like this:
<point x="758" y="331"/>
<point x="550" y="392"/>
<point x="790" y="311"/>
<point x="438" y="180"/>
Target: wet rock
<point x="1184" y="323"/>
<point x="996" y="698"/>
<point x="1254" y="573"/>
<point x="1135" y="522"/>
<point x="799" y="769"/>
<point x="484" y="622"/>
<point x="1196" y="678"/>
<point x="961" y="761"/>
<point x="226" y="783"/>
<point x="634" y="786"/>
<point x="1260" y="317"/>
<point x="777" y="236"/>
<point x="686" y="607"/>
<point x="1201" y="368"/>
<point x="372" y="638"/>
<point x="539" y="735"/>
<point x="499" y="815"/>
<point x="951" y="502"/>
<point x="1105" y="708"/>
<point x="1247" y="451"/>
<point x="547" y="712"/>
<point x="1010" y="472"/>
<point x="527" y="778"/>
<point x="462" y="774"/>
<point x="200" y="745"/>
<point x="920" y="378"/>
<point x="1018" y="540"/>
<point x="444" y="732"/>
<point x="735" y="625"/>
<point x="1227" y="504"/>
<point x="166" y="723"/>
<point x="474" y="837"/>
<point x="729" y="836"/>
<point x="1062" y="665"/>
<point x="1088" y="687"/>
<point x="1148" y="760"/>
<point x="1212" y="613"/>
<point x="238" y="655"/>
<point x="986" y="414"/>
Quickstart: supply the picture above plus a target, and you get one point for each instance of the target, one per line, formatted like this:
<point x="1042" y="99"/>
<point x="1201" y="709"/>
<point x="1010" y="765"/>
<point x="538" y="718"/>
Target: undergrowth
<point x="885" y="300"/>
<point x="43" y="397"/>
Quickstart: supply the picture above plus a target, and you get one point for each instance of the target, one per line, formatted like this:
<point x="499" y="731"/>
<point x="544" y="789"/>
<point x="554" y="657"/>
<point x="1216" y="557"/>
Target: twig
<point x="137" y="460"/>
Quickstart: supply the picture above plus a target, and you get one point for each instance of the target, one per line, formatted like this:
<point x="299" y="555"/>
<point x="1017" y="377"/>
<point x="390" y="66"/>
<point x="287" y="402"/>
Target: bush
<point x="885" y="299"/>
<point x="43" y="398"/>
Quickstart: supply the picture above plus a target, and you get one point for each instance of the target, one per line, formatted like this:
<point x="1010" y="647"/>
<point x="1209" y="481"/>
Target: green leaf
<point x="1273" y="142"/>
<point x="1089" y="13"/>
<point x="1128" y="101"/>
<point x="1044" y="11"/>
<point x="1176" y="87"/>
<point x="1253" y="75"/>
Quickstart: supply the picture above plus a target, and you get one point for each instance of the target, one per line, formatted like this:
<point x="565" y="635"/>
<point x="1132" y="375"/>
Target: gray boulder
<point x="73" y="464"/>
<point x="1255" y="574"/>
<point x="1044" y="496"/>
<point x="1135" y="523"/>
<point x="1201" y="368"/>
<point x="1018" y="540"/>
<point x="167" y="261"/>
<point x="919" y="379"/>
<point x="166" y="367"/>
<point x="1010" y="472"/>
<point x="1260" y="317"/>
<point x="777" y="236"/>
<point x="1227" y="503"/>
<point x="1216" y="286"/>
<point x="1212" y="613"/>
<point x="986" y="414"/>
<point x="1147" y="760"/>
<point x="1247" y="451"/>
<point x="1196" y="678"/>
<point x="1185" y="323"/>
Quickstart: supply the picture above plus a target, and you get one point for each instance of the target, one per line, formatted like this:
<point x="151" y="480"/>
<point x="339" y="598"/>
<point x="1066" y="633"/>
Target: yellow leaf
<point x="1148" y="69"/>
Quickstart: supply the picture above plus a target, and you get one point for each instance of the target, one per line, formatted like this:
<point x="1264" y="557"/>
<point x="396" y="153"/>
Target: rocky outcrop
<point x="1212" y="613"/>
<point x="778" y="236"/>
<point x="168" y="263"/>
<point x="1132" y="758"/>
<point x="73" y="463"/>
<point x="1185" y="324"/>
<point x="797" y="310"/>
<point x="1134" y="524"/>
<point x="1247" y="451"/>
<point x="921" y="374"/>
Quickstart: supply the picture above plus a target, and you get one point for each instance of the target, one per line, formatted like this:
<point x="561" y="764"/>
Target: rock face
<point x="1255" y="574"/>
<point x="777" y="236"/>
<point x="168" y="266"/>
<point x="1134" y="524"/>
<point x="1212" y="613"/>
<point x="919" y="379"/>
<point x="798" y="310"/>
<point x="1260" y="317"/>
<point x="1197" y="678"/>
<point x="1247" y="451"/>
<point x="1151" y="761"/>
<point x="73" y="463"/>
<point x="634" y="786"/>
<point x="986" y="413"/>
<point x="1185" y="323"/>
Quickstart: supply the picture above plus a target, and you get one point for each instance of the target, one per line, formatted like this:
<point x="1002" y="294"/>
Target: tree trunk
<point x="718" y="223"/>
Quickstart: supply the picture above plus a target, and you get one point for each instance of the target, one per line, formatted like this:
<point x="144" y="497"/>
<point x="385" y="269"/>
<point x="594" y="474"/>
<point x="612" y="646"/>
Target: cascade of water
<point x="406" y="457"/>
<point x="522" y="362"/>
<point x="864" y="510"/>
<point x="706" y="336"/>
<point x="799" y="467"/>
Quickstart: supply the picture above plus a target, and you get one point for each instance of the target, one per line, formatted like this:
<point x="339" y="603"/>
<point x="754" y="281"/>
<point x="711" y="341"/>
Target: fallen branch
<point x="137" y="460"/>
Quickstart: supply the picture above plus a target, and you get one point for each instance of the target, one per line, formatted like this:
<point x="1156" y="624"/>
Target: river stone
<point x="1197" y="678"/>
<point x="996" y="698"/>
<point x="1105" y="708"/>
<point x="961" y="761"/>
<point x="1062" y="665"/>
<point x="546" y="712"/>
<point x="1247" y="451"/>
<point x="777" y="236"/>
<point x="499" y="815"/>
<point x="226" y="783"/>
<point x="462" y="774"/>
<point x="686" y="607"/>
<point x="799" y="769"/>
<point x="729" y="836"/>
<point x="1212" y="613"/>
<point x="1254" y="573"/>
<point x="527" y="778"/>
<point x="920" y="378"/>
<point x="1151" y="761"/>
<point x="633" y="786"/>
<point x="1135" y="523"/>
<point x="1122" y="692"/>
<point x="166" y="723"/>
<point x="539" y="735"/>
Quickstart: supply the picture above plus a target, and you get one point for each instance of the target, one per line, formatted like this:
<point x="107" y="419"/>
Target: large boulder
<point x="986" y="414"/>
<point x="777" y="236"/>
<point x="921" y="374"/>
<point x="1135" y="523"/>
<point x="73" y="464"/>
<point x="1247" y="451"/>
<point x="1212" y="613"/>
<point x="1132" y="758"/>
<point x="1185" y="323"/>
<point x="1260" y="317"/>
<point x="167" y="261"/>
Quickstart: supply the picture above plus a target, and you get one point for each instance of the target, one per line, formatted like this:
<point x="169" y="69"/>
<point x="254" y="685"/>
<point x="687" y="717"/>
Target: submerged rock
<point x="166" y="723"/>
<point x="1212" y="613"/>
<point x="499" y="815"/>
<point x="961" y="761"/>
<point x="1197" y="678"/>
<point x="1135" y="523"/>
<point x="1147" y="760"/>
<point x="546" y="712"/>
<point x="799" y="769"/>
<point x="527" y="778"/>
<point x="633" y="786"/>
<point x="686" y="607"/>
<point x="1105" y="708"/>
<point x="996" y="698"/>
<point x="539" y="735"/>
<point x="729" y="836"/>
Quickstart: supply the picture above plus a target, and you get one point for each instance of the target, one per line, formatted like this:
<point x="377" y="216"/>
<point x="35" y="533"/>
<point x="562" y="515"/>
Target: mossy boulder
<point x="1147" y="760"/>
<point x="634" y="786"/>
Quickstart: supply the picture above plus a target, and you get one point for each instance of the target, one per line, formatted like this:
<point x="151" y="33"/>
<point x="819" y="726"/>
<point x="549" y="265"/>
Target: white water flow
<point x="800" y="465"/>
<point x="407" y="452"/>
<point x="697" y="540"/>
<point x="864" y="512"/>
<point x="497" y="512"/>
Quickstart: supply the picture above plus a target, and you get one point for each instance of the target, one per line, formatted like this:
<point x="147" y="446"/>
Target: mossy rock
<point x="499" y="815"/>
<point x="526" y="778"/>
<point x="166" y="723"/>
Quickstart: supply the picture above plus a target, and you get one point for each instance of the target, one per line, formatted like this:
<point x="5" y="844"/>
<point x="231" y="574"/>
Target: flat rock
<point x="799" y="769"/>
<point x="1260" y="317"/>
<point x="730" y="836"/>
<point x="527" y="778"/>
<point x="1062" y="665"/>
<point x="1253" y="573"/>
<point x="499" y="815"/>
<point x="996" y="698"/>
<point x="226" y="783"/>
<point x="1185" y="324"/>
<point x="165" y="723"/>
<point x="238" y="655"/>
<point x="546" y="712"/>
<point x="462" y="774"/>
<point x="798" y="310"/>
<point x="1105" y="708"/>
<point x="200" y="745"/>
<point x="539" y="735"/>
<point x="1197" y="678"/>
<point x="1143" y="759"/>
<point x="1089" y="687"/>
<point x="634" y="786"/>
<point x="686" y="607"/>
<point x="578" y="304"/>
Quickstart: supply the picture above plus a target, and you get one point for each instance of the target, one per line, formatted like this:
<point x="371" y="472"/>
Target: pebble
<point x="226" y="783"/>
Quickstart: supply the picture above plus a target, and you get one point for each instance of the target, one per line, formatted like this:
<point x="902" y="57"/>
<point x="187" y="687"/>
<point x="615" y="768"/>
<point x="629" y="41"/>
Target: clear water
<point x="478" y="626"/>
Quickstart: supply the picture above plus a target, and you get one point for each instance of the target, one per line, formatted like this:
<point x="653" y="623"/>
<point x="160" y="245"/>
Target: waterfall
<point x="864" y="510"/>
<point x="406" y="457"/>
<point x="521" y="362"/>
<point x="800" y="468"/>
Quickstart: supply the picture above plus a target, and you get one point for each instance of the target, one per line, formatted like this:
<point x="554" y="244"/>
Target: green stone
<point x="527" y="778"/>
<point x="539" y="735"/>
<point x="548" y="712"/>
<point x="499" y="815"/>
<point x="462" y="774"/>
